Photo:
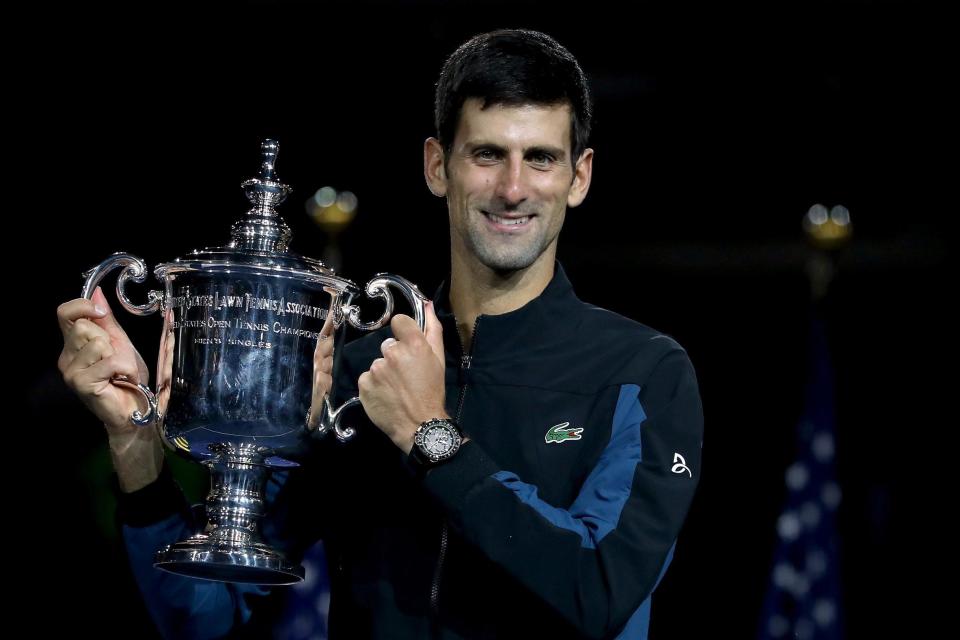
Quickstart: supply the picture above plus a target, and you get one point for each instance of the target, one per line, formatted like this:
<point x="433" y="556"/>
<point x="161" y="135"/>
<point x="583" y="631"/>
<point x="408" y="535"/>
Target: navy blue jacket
<point x="556" y="520"/>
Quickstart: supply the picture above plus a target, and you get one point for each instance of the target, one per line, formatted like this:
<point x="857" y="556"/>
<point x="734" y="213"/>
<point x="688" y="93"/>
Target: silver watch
<point x="436" y="440"/>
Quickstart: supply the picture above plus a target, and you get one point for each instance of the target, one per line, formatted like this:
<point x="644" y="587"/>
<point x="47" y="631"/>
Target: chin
<point x="507" y="264"/>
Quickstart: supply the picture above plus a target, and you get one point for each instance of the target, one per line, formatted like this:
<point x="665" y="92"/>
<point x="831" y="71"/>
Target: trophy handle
<point x="376" y="288"/>
<point x="134" y="269"/>
<point x="330" y="420"/>
<point x="138" y="417"/>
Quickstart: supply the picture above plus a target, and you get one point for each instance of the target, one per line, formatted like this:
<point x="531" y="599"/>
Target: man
<point x="557" y="514"/>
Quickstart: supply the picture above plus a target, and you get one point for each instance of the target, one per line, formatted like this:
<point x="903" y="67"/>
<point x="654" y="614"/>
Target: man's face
<point x="509" y="179"/>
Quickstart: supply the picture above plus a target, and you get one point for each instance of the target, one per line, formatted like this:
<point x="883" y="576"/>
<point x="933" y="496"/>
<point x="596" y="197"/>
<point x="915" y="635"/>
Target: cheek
<point x="553" y="187"/>
<point x="557" y="201"/>
<point x="477" y="185"/>
<point x="474" y="192"/>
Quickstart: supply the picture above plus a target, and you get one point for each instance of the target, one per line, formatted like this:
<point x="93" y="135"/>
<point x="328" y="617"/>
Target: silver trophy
<point x="234" y="374"/>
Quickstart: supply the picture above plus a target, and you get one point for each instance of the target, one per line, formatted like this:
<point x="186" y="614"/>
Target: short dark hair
<point x="513" y="67"/>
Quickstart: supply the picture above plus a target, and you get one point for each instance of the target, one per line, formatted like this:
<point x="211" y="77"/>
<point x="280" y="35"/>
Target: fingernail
<point x="100" y="310"/>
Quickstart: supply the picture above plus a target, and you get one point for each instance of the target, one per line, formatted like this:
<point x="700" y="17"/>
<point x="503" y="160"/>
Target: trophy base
<point x="197" y="557"/>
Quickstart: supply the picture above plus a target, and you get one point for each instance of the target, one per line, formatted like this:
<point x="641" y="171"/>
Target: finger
<point x="363" y="384"/>
<point x="70" y="312"/>
<point x="324" y="348"/>
<point x="107" y="320"/>
<point x="433" y="331"/>
<point x="404" y="327"/>
<point x="92" y="352"/>
<point x="112" y="367"/>
<point x="386" y="344"/>
<point x="82" y="332"/>
<point x="327" y="331"/>
<point x="322" y="382"/>
<point x="377" y="365"/>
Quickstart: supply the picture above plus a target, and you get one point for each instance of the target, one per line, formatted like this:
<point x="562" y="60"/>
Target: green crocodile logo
<point x="560" y="433"/>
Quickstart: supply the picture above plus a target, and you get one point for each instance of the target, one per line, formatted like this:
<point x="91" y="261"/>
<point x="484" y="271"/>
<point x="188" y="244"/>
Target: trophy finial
<point x="263" y="229"/>
<point x="269" y="149"/>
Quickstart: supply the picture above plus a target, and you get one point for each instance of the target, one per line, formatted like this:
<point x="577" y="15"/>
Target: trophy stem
<point x="235" y="502"/>
<point x="230" y="548"/>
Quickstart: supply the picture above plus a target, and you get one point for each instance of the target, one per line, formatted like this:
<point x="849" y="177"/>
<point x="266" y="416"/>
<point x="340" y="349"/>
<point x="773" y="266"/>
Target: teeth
<point x="508" y="221"/>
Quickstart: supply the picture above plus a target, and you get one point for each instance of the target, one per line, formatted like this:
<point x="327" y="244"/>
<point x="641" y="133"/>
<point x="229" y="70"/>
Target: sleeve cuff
<point x="155" y="502"/>
<point x="450" y="483"/>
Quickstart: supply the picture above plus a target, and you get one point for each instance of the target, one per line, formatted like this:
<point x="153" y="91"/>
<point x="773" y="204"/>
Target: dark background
<point x="717" y="127"/>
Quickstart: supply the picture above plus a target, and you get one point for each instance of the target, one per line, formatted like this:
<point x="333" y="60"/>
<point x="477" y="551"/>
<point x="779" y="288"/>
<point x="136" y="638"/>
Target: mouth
<point x="508" y="223"/>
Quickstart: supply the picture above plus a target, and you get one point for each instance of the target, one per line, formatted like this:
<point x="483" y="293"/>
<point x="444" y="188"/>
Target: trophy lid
<point x="259" y="241"/>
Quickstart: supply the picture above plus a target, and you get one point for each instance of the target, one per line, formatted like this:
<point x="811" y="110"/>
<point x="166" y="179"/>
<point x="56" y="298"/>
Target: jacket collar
<point x="540" y="320"/>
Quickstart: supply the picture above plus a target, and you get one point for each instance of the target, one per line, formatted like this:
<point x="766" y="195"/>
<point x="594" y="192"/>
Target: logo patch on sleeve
<point x="680" y="465"/>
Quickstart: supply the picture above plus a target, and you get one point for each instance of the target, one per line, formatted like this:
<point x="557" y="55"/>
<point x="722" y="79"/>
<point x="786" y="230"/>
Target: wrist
<point x="407" y="435"/>
<point x="435" y="442"/>
<point x="137" y="457"/>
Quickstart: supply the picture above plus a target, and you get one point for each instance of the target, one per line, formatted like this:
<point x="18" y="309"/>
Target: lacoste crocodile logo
<point x="560" y="433"/>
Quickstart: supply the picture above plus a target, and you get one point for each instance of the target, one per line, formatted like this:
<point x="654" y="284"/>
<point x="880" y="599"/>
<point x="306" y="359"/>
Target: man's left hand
<point x="406" y="386"/>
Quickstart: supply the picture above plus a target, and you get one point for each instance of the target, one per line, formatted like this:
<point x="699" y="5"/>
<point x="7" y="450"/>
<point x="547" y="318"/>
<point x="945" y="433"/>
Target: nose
<point x="512" y="187"/>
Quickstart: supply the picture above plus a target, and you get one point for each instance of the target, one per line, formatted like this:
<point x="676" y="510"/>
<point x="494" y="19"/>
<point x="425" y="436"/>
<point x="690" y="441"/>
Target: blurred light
<point x="823" y="447"/>
<point x="784" y="576"/>
<point x="827" y="229"/>
<point x="332" y="211"/>
<point x="824" y="612"/>
<point x="831" y="495"/>
<point x="817" y="214"/>
<point x="347" y="202"/>
<point x="797" y="476"/>
<point x="325" y="196"/>
<point x="788" y="526"/>
<point x="840" y="215"/>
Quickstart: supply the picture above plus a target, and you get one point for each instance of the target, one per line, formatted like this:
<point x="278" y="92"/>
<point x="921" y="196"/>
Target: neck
<point x="477" y="290"/>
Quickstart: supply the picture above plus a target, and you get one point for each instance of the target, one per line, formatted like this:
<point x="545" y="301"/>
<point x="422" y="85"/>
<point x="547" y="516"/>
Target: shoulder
<point x="630" y="351"/>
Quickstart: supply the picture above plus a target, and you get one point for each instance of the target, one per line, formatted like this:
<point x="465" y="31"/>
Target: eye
<point x="486" y="155"/>
<point x="541" y="158"/>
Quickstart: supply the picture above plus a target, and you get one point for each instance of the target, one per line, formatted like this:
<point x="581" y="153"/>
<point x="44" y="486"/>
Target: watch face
<point x="437" y="441"/>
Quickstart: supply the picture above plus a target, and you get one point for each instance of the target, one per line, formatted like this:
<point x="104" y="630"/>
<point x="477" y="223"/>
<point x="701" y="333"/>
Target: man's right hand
<point x="322" y="371"/>
<point x="95" y="350"/>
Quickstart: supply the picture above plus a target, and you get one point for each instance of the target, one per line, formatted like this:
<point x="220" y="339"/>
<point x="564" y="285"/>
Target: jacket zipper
<point x="465" y="361"/>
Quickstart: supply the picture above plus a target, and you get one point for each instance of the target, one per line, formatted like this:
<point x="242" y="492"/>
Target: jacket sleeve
<point x="599" y="558"/>
<point x="158" y="515"/>
<point x="179" y="606"/>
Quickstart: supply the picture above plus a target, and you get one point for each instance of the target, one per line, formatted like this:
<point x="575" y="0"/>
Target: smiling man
<point x="508" y="175"/>
<point x="518" y="475"/>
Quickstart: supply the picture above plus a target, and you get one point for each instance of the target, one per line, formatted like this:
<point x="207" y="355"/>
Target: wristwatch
<point x="434" y="442"/>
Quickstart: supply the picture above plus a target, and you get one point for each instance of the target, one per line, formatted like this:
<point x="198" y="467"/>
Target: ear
<point x="434" y="170"/>
<point x="581" y="179"/>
